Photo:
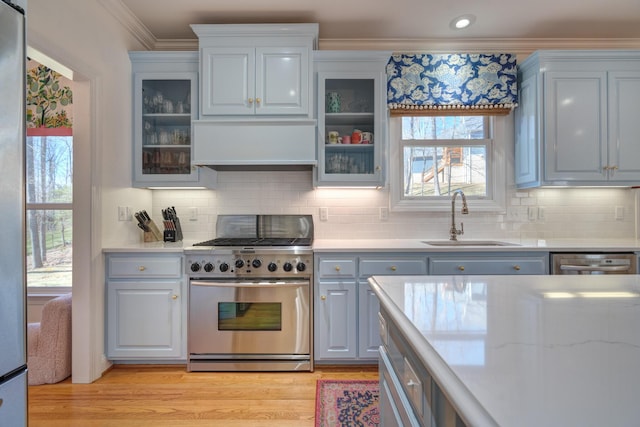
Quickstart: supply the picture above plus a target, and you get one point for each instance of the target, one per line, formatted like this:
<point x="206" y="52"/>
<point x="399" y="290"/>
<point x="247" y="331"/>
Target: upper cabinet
<point x="256" y="96"/>
<point x="577" y="122"/>
<point x="352" y="118"/>
<point x="262" y="69"/>
<point x="165" y="100"/>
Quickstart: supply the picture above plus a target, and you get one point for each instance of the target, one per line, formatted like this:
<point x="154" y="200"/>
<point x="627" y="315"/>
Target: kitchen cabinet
<point x="352" y="118"/>
<point x="165" y="100"/>
<point x="576" y="124"/>
<point x="262" y="69"/>
<point x="497" y="263"/>
<point x="346" y="309"/>
<point x="146" y="307"/>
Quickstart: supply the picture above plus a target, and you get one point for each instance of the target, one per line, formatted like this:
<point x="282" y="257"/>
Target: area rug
<point x="347" y="403"/>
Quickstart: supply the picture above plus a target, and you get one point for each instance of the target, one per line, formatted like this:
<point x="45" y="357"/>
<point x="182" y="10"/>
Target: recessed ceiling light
<point x="462" y="22"/>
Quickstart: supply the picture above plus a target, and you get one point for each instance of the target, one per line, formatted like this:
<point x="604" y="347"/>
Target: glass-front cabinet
<point x="165" y="101"/>
<point x="352" y="125"/>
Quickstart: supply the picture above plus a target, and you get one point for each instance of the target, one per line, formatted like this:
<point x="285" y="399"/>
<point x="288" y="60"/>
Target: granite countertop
<point x="417" y="245"/>
<point x="525" y="350"/>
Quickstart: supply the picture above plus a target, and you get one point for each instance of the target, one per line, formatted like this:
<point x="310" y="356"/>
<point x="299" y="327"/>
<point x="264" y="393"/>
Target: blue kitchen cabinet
<point x="352" y="118"/>
<point x="576" y="124"/>
<point x="165" y="101"/>
<point x="496" y="263"/>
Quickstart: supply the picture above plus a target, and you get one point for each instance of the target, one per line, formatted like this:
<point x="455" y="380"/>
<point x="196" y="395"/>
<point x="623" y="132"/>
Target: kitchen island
<point x="510" y="350"/>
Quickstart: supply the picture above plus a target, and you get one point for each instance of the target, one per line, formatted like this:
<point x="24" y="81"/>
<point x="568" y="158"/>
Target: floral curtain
<point x="452" y="84"/>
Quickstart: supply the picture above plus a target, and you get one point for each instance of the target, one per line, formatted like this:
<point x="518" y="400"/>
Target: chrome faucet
<point x="454" y="232"/>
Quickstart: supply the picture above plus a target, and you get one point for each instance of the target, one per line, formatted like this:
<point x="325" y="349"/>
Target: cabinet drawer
<point x="399" y="266"/>
<point x="141" y="266"/>
<point x="336" y="267"/>
<point x="488" y="265"/>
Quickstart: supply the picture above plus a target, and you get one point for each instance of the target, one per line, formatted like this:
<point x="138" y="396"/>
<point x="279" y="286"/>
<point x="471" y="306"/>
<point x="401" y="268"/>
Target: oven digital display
<point x="249" y="316"/>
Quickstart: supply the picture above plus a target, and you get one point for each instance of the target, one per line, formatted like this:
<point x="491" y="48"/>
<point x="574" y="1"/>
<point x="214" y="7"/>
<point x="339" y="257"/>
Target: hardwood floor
<point x="159" y="396"/>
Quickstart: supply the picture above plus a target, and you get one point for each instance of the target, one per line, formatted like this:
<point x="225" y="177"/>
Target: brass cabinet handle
<point x="142" y="268"/>
<point x="258" y="100"/>
<point x="323" y="297"/>
<point x="250" y="100"/>
<point x="337" y="268"/>
<point x="461" y="267"/>
<point x="174" y="297"/>
<point x="394" y="268"/>
<point x="516" y="267"/>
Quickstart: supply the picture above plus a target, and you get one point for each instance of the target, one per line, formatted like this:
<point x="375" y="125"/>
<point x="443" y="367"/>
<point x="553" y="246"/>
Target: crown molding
<point x="176" y="44"/>
<point x="519" y="46"/>
<point x="130" y="22"/>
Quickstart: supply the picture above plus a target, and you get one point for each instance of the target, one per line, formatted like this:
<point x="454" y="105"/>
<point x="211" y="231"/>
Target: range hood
<point x="269" y="144"/>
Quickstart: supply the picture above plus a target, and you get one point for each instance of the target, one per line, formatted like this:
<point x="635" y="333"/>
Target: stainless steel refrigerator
<point x="13" y="358"/>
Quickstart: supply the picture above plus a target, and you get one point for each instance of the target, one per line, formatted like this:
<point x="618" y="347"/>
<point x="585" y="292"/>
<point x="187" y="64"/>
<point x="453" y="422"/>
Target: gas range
<point x="255" y="246"/>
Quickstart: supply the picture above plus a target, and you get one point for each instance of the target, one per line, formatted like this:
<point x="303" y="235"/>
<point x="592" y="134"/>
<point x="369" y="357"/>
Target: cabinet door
<point x="351" y="129"/>
<point x="163" y="108"/>
<point x="336" y="327"/>
<point x="144" y="319"/>
<point x="282" y="80"/>
<point x="368" y="325"/>
<point x="527" y="139"/>
<point x="228" y="81"/>
<point x="575" y="126"/>
<point x="624" y="126"/>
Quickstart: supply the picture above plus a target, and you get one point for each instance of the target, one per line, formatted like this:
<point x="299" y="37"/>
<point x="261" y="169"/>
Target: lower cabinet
<point x="346" y="309"/>
<point x="145" y="307"/>
<point x="498" y="263"/>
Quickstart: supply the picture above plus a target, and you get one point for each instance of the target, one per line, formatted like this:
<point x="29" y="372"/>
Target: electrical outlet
<point x="193" y="214"/>
<point x="124" y="213"/>
<point x="324" y="214"/>
<point x="533" y="213"/>
<point x="384" y="214"/>
<point x="619" y="215"/>
<point x="540" y="213"/>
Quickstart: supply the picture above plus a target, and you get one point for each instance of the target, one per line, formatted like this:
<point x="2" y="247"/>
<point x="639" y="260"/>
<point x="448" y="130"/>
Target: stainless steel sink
<point x="468" y="243"/>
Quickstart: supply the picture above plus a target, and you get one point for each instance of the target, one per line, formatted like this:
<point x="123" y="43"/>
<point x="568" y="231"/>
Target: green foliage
<point x="44" y="93"/>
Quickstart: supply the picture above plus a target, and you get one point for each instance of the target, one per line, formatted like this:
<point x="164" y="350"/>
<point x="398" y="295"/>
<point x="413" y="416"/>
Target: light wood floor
<point x="162" y="396"/>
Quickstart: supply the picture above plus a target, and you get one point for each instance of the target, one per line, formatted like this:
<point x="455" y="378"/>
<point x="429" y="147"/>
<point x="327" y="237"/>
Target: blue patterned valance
<point x="452" y="83"/>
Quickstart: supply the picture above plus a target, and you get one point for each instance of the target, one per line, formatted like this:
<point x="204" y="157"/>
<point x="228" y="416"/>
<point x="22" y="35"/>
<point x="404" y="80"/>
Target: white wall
<point x="85" y="38"/>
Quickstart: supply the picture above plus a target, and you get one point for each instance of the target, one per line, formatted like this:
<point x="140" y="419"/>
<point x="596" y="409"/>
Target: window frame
<point x="494" y="201"/>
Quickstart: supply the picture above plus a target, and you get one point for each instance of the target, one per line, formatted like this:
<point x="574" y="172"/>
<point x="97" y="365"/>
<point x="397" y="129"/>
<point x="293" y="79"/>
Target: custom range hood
<point x="270" y="144"/>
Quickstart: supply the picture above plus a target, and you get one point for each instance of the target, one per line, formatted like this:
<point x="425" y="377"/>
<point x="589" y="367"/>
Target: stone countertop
<point x="418" y="245"/>
<point x="525" y="350"/>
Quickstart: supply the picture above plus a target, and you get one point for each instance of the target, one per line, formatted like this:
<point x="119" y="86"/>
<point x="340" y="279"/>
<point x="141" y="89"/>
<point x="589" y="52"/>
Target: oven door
<point x="236" y="318"/>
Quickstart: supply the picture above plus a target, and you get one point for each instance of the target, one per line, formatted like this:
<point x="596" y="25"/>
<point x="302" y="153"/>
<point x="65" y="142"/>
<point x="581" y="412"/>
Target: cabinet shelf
<point x="339" y="119"/>
<point x="340" y="147"/>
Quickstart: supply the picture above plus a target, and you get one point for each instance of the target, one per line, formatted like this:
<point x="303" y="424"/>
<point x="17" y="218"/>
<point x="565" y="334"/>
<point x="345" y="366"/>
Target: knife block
<point x="148" y="236"/>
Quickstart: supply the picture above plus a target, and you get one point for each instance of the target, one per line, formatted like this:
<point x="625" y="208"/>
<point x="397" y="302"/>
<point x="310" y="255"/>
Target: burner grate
<point x="274" y="241"/>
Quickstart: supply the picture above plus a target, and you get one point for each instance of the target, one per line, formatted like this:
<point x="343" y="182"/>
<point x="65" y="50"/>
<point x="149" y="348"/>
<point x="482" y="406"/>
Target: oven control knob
<point x="272" y="267"/>
<point x="301" y="266"/>
<point x="256" y="263"/>
<point x="287" y="266"/>
<point x="195" y="267"/>
<point x="224" y="267"/>
<point x="208" y="267"/>
<point x="239" y="263"/>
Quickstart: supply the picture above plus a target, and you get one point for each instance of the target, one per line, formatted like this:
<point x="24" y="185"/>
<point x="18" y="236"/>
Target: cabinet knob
<point x="323" y="297"/>
<point x="258" y="100"/>
<point x="174" y="296"/>
<point x="142" y="268"/>
<point x="516" y="267"/>
<point x="461" y="267"/>
<point x="337" y="268"/>
<point x="378" y="168"/>
<point x="394" y="268"/>
<point x="250" y="100"/>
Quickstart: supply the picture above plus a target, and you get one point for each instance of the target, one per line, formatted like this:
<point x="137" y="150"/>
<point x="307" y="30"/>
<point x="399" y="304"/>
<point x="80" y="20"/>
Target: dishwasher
<point x="594" y="263"/>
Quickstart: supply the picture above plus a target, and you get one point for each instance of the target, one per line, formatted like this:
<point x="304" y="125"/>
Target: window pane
<point x="49" y="248"/>
<point x="49" y="169"/>
<point x="438" y="171"/>
<point x="443" y="127"/>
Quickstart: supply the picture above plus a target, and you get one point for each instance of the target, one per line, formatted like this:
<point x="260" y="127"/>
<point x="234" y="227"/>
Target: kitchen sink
<point x="468" y="243"/>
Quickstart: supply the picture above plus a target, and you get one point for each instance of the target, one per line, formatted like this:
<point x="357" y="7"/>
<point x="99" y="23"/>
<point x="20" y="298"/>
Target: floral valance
<point x="426" y="84"/>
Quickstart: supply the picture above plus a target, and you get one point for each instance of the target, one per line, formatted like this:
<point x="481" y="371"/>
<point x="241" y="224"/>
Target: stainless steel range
<point x="250" y="295"/>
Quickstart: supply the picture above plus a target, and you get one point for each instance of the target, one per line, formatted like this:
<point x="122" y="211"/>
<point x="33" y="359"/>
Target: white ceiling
<point x="401" y="19"/>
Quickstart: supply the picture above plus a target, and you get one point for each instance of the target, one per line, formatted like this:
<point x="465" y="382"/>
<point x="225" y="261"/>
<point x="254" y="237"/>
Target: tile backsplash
<point x="360" y="213"/>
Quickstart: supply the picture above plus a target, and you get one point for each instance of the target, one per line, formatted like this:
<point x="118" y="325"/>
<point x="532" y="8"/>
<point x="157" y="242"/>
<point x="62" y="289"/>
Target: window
<point x="432" y="156"/>
<point x="49" y="180"/>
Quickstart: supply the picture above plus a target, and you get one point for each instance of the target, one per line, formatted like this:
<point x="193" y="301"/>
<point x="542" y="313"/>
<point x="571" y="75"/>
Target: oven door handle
<point x="250" y="284"/>
<point x="569" y="267"/>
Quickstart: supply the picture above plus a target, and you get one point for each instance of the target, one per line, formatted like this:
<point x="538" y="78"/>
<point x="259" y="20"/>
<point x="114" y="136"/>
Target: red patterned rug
<point x="348" y="403"/>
